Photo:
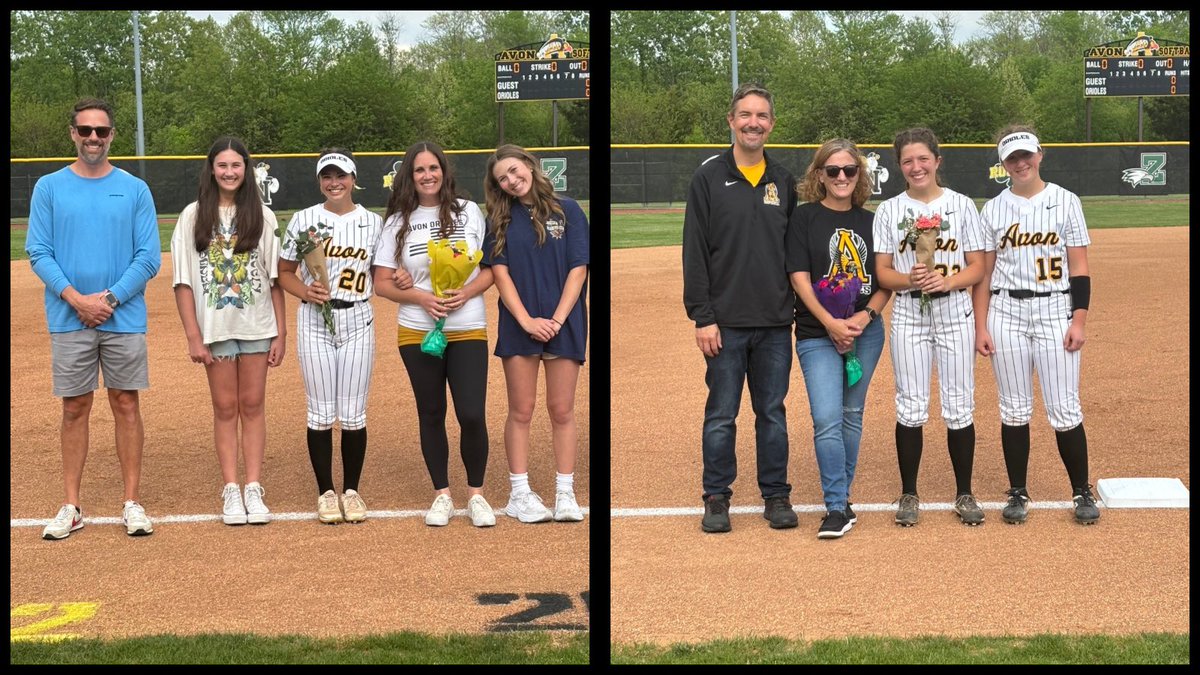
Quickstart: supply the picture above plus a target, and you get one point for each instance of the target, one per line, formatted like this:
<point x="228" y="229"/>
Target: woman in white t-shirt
<point x="226" y="260"/>
<point x="424" y="206"/>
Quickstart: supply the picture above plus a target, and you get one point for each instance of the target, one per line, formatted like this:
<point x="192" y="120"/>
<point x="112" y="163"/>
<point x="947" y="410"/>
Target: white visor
<point x="1021" y="140"/>
<point x="340" y="161"/>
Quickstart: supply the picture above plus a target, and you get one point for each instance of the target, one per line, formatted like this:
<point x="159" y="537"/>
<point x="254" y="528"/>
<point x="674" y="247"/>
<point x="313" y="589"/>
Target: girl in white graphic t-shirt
<point x="226" y="260"/>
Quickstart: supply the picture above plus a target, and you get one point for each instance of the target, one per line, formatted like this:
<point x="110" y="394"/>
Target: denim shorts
<point x="231" y="349"/>
<point x="77" y="357"/>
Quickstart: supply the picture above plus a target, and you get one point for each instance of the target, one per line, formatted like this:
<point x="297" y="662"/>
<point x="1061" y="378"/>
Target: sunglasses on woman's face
<point x="851" y="170"/>
<point x="86" y="131"/>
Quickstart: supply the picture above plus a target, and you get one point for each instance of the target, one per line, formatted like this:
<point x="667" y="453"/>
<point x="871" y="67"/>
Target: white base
<point x="1133" y="493"/>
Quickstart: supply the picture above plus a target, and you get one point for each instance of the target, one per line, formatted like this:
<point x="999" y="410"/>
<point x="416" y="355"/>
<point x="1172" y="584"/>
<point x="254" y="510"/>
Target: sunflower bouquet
<point x="449" y="268"/>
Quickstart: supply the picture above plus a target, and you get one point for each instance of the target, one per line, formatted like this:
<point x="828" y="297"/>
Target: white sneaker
<point x="234" y="512"/>
<point x="439" y="513"/>
<point x="527" y="508"/>
<point x="480" y="512"/>
<point x="328" y="510"/>
<point x="566" y="508"/>
<point x="67" y="521"/>
<point x="136" y="522"/>
<point x="257" y="512"/>
<point x="353" y="507"/>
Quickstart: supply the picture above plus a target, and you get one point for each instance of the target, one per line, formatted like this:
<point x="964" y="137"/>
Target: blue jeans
<point x="837" y="410"/>
<point x="763" y="358"/>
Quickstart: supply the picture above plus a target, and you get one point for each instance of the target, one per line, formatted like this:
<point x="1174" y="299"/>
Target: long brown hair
<point x="248" y="214"/>
<point x="404" y="199"/>
<point x="812" y="190"/>
<point x="499" y="202"/>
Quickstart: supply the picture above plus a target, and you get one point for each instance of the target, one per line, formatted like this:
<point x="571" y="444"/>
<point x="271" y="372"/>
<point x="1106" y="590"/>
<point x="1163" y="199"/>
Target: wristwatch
<point x="110" y="299"/>
<point x="871" y="314"/>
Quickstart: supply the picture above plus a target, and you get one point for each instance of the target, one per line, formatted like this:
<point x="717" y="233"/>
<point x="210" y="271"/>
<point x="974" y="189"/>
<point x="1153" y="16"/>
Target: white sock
<point x="520" y="483"/>
<point x="564" y="482"/>
<point x="233" y="484"/>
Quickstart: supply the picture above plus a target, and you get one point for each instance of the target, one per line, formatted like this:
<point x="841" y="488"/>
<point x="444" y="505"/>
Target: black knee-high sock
<point x="1015" y="441"/>
<point x="961" y="443"/>
<point x="909" y="441"/>
<point x="320" y="452"/>
<point x="354" y="452"/>
<point x="1072" y="447"/>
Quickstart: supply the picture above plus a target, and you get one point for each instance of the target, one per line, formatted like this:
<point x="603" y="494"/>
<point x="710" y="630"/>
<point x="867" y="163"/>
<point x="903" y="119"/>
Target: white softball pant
<point x="337" y="368"/>
<point x="1028" y="335"/>
<point x="945" y="336"/>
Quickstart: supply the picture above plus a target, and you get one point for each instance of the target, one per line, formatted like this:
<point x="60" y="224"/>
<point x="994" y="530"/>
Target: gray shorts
<point x="78" y="356"/>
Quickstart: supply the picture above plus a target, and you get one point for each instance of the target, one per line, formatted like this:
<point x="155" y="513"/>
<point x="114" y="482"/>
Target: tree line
<point x="866" y="74"/>
<point x="283" y="81"/>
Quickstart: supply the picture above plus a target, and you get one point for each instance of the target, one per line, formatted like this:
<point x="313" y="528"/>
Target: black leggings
<point x="464" y="365"/>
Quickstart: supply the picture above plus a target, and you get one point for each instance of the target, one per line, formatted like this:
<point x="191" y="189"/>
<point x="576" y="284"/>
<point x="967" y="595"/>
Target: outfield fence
<point x="649" y="174"/>
<point x="288" y="182"/>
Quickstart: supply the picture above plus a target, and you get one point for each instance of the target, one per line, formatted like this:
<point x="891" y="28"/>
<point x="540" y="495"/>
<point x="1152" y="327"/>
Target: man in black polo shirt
<point x="736" y="290"/>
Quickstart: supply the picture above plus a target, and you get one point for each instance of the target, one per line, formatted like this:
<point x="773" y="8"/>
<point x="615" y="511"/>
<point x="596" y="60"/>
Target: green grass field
<point x="166" y="225"/>
<point x="395" y="648"/>
<point x="1146" y="648"/>
<point x="634" y="230"/>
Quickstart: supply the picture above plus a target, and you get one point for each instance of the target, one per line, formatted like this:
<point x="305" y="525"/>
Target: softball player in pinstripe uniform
<point x="1038" y="286"/>
<point x="336" y="366"/>
<point x="945" y="333"/>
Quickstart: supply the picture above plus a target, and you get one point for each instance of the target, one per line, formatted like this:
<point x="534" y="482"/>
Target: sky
<point x="411" y="22"/>
<point x="965" y="28"/>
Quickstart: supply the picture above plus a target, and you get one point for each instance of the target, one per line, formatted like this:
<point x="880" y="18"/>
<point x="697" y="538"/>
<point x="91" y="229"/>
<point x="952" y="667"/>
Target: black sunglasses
<point x="851" y="170"/>
<point x="86" y="131"/>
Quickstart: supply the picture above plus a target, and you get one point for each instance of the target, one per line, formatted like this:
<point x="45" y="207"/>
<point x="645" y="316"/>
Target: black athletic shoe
<point x="1086" y="512"/>
<point x="779" y="512"/>
<point x="834" y="525"/>
<point x="850" y="515"/>
<point x="716" y="514"/>
<point x="1017" y="509"/>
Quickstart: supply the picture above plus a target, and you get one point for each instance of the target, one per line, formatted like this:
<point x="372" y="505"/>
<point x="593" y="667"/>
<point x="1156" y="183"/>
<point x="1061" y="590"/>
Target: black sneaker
<point x="834" y="525"/>
<point x="779" y="511"/>
<point x="850" y="515"/>
<point x="1017" y="509"/>
<point x="716" y="514"/>
<point x="1086" y="512"/>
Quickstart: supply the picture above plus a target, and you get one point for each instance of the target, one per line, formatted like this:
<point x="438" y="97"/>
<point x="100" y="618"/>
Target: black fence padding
<point x="174" y="182"/>
<point x="657" y="175"/>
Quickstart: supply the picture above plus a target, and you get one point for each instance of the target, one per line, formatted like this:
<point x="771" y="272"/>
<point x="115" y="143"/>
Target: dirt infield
<point x="387" y="574"/>
<point x="1129" y="573"/>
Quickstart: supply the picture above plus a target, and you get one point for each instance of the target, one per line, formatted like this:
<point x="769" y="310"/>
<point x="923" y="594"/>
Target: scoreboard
<point x="1142" y="67"/>
<point x="560" y="79"/>
<point x="543" y="71"/>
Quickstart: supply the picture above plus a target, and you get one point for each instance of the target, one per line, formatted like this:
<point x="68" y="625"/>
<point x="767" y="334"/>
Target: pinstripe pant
<point x="1028" y="335"/>
<point x="336" y="368"/>
<point x="945" y="336"/>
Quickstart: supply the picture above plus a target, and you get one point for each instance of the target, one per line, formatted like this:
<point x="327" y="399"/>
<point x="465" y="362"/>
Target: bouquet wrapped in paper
<point x="309" y="245"/>
<point x="838" y="294"/>
<point x="921" y="233"/>
<point x="449" y="268"/>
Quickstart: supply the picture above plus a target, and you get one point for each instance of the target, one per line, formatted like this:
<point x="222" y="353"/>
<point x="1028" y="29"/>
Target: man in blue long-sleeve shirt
<point x="93" y="240"/>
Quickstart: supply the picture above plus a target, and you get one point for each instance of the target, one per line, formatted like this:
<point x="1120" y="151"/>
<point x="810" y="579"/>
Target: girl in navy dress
<point x="537" y="247"/>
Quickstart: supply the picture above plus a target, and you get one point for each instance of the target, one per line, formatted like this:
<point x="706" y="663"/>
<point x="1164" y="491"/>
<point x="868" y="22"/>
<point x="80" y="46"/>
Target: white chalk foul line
<point x="206" y="517"/>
